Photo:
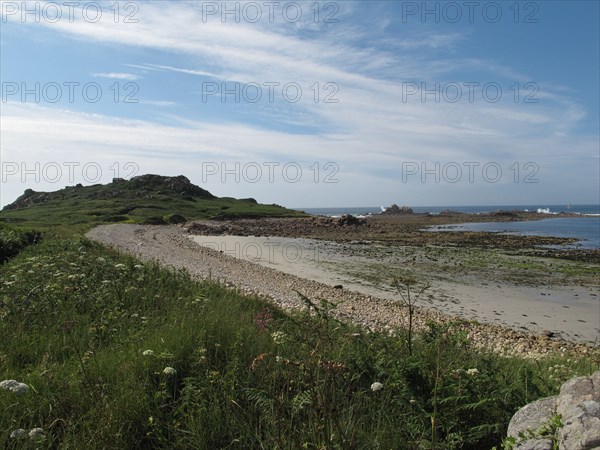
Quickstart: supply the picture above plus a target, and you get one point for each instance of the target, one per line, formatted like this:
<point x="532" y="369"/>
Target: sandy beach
<point x="566" y="311"/>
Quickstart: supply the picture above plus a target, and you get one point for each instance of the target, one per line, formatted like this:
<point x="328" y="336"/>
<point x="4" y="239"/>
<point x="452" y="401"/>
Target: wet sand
<point x="571" y="312"/>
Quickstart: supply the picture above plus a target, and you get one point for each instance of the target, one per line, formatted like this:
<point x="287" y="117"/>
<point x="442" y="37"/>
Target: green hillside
<point x="146" y="199"/>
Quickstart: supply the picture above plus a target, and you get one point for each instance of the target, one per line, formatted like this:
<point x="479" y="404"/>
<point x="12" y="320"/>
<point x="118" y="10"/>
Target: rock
<point x="530" y="417"/>
<point x="349" y="219"/>
<point x="579" y="406"/>
<point x="536" y="444"/>
<point x="450" y="212"/>
<point x="396" y="210"/>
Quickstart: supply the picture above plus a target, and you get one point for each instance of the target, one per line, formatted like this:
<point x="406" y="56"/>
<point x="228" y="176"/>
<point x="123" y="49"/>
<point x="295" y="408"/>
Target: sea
<point x="586" y="228"/>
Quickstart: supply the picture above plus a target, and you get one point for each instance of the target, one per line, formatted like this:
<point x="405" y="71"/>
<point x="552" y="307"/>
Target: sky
<point x="306" y="104"/>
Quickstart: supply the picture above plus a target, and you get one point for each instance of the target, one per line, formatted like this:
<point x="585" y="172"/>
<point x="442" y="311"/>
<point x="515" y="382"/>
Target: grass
<point x="91" y="331"/>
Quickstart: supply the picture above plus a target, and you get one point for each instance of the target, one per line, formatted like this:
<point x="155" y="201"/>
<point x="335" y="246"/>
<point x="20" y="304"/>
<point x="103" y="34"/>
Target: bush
<point x="13" y="240"/>
<point x="174" y="218"/>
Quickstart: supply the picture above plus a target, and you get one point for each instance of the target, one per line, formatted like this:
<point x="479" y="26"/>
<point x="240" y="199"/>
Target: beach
<point x="498" y="311"/>
<point x="567" y="311"/>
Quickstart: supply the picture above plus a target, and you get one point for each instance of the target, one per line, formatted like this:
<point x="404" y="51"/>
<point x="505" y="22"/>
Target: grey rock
<point x="579" y="405"/>
<point x="531" y="417"/>
<point x="536" y="444"/>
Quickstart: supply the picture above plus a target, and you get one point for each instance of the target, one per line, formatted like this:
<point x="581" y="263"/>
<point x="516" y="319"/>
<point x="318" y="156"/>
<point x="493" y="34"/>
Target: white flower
<point x="19" y="433"/>
<point x="119" y="266"/>
<point x="377" y="386"/>
<point x="169" y="371"/>
<point x="472" y="372"/>
<point x="138" y="266"/>
<point x="36" y="434"/>
<point x="148" y="353"/>
<point x="279" y="337"/>
<point x="14" y="386"/>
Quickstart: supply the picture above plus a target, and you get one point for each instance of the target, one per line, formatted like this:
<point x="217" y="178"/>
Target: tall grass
<point x="92" y="332"/>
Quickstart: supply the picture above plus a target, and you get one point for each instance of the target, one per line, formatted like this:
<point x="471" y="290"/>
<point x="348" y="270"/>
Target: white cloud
<point x="373" y="129"/>
<point x="117" y="76"/>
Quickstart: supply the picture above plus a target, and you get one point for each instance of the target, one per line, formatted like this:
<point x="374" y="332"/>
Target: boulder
<point x="579" y="406"/>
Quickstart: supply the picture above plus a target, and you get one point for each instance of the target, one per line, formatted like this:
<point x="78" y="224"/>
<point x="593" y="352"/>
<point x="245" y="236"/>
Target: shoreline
<point x="563" y="311"/>
<point x="172" y="247"/>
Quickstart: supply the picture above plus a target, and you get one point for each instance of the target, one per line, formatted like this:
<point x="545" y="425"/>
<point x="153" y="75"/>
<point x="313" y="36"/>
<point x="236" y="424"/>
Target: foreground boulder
<point x="578" y="405"/>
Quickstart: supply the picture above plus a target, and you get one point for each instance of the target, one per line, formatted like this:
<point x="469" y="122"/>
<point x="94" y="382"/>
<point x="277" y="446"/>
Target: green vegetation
<point x="548" y="430"/>
<point x="111" y="352"/>
<point x="14" y="239"/>
<point x="147" y="199"/>
<point x="123" y="354"/>
<point x="378" y="264"/>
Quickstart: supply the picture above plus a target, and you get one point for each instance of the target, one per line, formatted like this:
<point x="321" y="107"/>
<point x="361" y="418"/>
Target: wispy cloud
<point x="384" y="115"/>
<point x="118" y="76"/>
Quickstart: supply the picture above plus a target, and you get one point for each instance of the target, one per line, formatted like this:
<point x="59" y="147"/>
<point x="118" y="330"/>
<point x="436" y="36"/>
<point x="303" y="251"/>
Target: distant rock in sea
<point x="395" y="210"/>
<point x="450" y="212"/>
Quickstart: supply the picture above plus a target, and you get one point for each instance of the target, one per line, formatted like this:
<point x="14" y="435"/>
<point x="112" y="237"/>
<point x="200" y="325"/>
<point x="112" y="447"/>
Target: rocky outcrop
<point x="301" y="227"/>
<point x="578" y="405"/>
<point x="143" y="186"/>
<point x="166" y="185"/>
<point x="397" y="211"/>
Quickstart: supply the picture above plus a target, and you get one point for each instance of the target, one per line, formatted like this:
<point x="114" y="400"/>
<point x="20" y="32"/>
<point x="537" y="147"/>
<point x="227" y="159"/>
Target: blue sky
<point x="307" y="104"/>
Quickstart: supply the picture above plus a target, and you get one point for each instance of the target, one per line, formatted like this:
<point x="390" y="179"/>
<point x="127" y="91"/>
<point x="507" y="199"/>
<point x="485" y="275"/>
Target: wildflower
<point x="377" y="386"/>
<point x="138" y="266"/>
<point x="278" y="337"/>
<point x="262" y="319"/>
<point x="472" y="372"/>
<point x="148" y="353"/>
<point x="169" y="371"/>
<point x="14" y="386"/>
<point x="119" y="266"/>
<point x="19" y="433"/>
<point x="36" y="434"/>
<point x="412" y="401"/>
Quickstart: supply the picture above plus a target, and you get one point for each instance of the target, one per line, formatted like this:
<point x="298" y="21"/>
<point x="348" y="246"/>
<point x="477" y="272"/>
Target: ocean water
<point x="585" y="229"/>
<point x="550" y="209"/>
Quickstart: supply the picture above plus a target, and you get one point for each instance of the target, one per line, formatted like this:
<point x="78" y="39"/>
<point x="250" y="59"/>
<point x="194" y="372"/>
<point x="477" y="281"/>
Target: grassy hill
<point x="146" y="199"/>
